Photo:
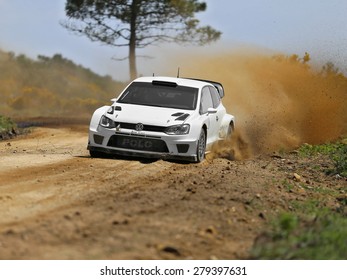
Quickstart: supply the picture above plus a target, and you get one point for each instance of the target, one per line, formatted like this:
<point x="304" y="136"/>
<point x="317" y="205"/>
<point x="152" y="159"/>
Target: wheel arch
<point x="94" y="122"/>
<point x="204" y="127"/>
<point x="228" y="120"/>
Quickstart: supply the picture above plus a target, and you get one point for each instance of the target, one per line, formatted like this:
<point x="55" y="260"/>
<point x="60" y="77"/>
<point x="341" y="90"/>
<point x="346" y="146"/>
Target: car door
<point x="217" y="104"/>
<point x="211" y="119"/>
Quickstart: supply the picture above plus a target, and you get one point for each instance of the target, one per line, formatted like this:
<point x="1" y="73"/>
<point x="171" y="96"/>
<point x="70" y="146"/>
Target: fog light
<point x="98" y="139"/>
<point x="182" y="148"/>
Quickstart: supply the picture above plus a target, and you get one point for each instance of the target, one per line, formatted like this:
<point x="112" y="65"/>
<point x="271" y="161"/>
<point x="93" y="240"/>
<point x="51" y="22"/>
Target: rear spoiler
<point x="217" y="85"/>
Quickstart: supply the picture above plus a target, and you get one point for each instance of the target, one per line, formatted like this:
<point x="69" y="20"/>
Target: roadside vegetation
<point x="337" y="152"/>
<point x="320" y="235"/>
<point x="8" y="128"/>
<point x="314" y="228"/>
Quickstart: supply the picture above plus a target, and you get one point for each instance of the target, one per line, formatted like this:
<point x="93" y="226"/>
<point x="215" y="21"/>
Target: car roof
<point x="179" y="81"/>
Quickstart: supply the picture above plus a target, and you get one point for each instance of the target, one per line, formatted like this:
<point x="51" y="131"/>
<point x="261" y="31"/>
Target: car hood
<point x="159" y="116"/>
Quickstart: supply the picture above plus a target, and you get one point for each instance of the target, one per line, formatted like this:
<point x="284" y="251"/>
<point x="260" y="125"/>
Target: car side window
<point x="215" y="97"/>
<point x="206" y="101"/>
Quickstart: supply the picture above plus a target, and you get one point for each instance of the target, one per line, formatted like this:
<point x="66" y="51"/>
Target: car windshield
<point x="160" y="94"/>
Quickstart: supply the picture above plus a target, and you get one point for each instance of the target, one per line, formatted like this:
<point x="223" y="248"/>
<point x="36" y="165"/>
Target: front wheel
<point x="96" y="154"/>
<point x="201" y="148"/>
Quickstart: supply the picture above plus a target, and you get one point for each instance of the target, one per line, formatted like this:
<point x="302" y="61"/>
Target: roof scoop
<point x="164" y="83"/>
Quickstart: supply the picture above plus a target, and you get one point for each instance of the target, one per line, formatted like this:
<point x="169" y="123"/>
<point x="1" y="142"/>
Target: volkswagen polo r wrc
<point x="162" y="117"/>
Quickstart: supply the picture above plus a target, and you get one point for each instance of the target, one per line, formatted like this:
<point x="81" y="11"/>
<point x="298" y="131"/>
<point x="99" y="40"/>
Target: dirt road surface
<point x="58" y="203"/>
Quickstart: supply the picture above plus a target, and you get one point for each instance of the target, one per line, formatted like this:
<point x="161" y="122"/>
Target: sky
<point x="319" y="27"/>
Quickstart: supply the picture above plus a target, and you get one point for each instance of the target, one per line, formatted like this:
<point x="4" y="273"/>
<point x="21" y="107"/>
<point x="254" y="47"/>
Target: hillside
<point x="51" y="86"/>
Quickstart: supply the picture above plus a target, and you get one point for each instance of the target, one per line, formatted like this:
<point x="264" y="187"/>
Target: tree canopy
<point x="138" y="23"/>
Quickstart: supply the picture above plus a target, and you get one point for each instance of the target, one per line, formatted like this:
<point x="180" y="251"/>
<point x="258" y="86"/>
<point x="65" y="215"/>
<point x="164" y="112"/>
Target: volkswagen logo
<point x="139" y="127"/>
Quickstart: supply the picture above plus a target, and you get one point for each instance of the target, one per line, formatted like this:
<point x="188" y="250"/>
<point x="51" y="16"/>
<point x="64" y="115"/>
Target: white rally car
<point x="162" y="117"/>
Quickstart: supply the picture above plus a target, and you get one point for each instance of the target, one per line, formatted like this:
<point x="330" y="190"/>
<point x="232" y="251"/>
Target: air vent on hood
<point x="177" y="114"/>
<point x="182" y="117"/>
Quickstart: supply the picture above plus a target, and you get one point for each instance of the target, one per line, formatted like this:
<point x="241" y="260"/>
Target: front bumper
<point x="142" y="144"/>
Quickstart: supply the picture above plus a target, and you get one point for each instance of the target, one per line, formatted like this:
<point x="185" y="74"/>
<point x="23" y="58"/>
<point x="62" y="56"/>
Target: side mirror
<point x="211" y="111"/>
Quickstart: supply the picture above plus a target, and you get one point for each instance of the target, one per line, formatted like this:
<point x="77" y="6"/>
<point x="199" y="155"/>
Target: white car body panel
<point x="151" y="140"/>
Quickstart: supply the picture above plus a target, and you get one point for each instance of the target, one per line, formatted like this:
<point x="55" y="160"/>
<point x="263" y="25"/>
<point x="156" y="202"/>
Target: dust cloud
<point x="279" y="102"/>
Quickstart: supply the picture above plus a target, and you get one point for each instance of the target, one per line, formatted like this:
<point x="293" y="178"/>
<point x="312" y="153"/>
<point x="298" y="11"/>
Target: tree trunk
<point x="132" y="41"/>
<point x="132" y="61"/>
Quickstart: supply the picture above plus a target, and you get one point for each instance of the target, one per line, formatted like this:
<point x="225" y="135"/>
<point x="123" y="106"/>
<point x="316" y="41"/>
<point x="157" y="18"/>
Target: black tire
<point x="230" y="132"/>
<point x="96" y="154"/>
<point x="201" y="148"/>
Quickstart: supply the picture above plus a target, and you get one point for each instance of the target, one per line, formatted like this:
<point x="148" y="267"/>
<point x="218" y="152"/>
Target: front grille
<point x="153" y="128"/>
<point x="138" y="143"/>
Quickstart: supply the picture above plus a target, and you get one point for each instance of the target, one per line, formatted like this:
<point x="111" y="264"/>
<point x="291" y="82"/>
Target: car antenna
<point x="153" y="74"/>
<point x="178" y="72"/>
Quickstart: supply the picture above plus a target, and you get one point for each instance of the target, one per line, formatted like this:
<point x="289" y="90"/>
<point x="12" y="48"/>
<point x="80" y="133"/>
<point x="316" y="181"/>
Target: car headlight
<point x="178" y="129"/>
<point x="107" y="122"/>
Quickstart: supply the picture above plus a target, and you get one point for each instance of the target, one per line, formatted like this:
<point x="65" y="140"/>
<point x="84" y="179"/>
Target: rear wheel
<point x="201" y="148"/>
<point x="230" y="131"/>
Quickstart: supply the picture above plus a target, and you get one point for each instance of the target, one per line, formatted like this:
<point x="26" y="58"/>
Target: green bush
<point x="323" y="237"/>
<point x="339" y="158"/>
<point x="336" y="151"/>
<point x="7" y="125"/>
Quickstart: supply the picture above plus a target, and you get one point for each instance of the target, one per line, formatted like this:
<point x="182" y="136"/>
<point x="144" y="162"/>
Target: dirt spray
<point x="279" y="102"/>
